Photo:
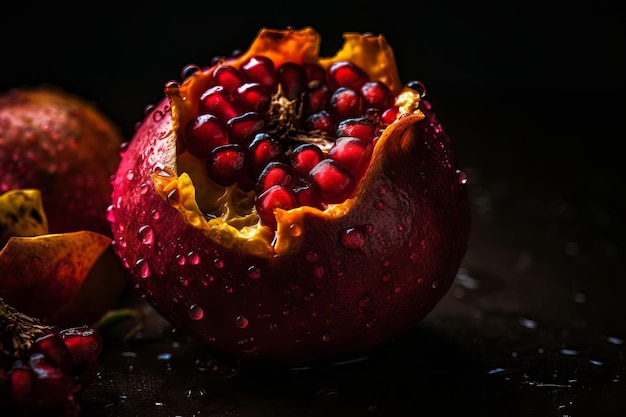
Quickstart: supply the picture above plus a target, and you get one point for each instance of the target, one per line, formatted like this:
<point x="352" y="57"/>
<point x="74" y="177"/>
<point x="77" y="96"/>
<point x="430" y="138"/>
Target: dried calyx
<point x="18" y="332"/>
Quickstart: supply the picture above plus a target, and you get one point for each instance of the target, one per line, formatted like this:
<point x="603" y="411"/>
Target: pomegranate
<point x="43" y="367"/>
<point x="66" y="147"/>
<point x="278" y="205"/>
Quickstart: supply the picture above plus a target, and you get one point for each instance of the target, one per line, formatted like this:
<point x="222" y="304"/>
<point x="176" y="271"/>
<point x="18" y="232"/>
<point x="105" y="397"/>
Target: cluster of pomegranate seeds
<point x="43" y="367"/>
<point x="296" y="135"/>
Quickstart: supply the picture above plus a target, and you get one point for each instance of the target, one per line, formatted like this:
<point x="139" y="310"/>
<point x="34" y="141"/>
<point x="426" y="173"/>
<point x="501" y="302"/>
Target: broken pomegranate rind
<point x="21" y="214"/>
<point x="233" y="221"/>
<point x="42" y="274"/>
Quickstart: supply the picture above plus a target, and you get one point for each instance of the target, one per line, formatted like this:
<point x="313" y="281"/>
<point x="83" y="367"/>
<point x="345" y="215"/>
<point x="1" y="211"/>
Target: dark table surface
<point x="534" y="323"/>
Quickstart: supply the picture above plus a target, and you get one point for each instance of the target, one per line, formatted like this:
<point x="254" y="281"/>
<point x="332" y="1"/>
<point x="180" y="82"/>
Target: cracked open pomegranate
<point x="284" y="206"/>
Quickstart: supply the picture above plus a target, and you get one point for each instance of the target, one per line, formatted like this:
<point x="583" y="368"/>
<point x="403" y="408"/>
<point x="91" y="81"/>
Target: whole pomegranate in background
<point x="66" y="147"/>
<point x="283" y="206"/>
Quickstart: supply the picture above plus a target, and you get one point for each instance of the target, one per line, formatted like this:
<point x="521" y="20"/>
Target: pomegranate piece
<point x="293" y="80"/>
<point x="42" y="367"/>
<point x="243" y="128"/>
<point x="360" y="127"/>
<point x="263" y="149"/>
<point x="318" y="193"/>
<point x="353" y="154"/>
<point x="322" y="122"/>
<point x="332" y="181"/>
<point x="218" y="102"/>
<point x="226" y="165"/>
<point x="276" y="173"/>
<point x="304" y="157"/>
<point x="345" y="103"/>
<point x="228" y="77"/>
<point x="260" y="69"/>
<point x="204" y="133"/>
<point x="345" y="74"/>
<point x="376" y="95"/>
<point x="274" y="197"/>
<point x="253" y="97"/>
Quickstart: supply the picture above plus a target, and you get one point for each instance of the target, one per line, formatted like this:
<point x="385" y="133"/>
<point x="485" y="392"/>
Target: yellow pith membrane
<point x="228" y="214"/>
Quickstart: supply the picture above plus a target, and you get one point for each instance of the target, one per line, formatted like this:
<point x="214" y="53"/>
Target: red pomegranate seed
<point x="345" y="103"/>
<point x="322" y="122"/>
<point x="217" y="101"/>
<point x="21" y="379"/>
<point x="376" y="94"/>
<point x="372" y="114"/>
<point x="253" y="97"/>
<point x="304" y="157"/>
<point x="274" y="197"/>
<point x="307" y="196"/>
<point x="241" y="129"/>
<point x="226" y="165"/>
<point x="84" y="343"/>
<point x="389" y="116"/>
<point x="263" y="149"/>
<point x="358" y="127"/>
<point x="203" y="134"/>
<point x="276" y="173"/>
<point x="227" y="76"/>
<point x="260" y="69"/>
<point x="315" y="100"/>
<point x="315" y="75"/>
<point x="333" y="182"/>
<point x="292" y="79"/>
<point x="50" y="386"/>
<point x="54" y="348"/>
<point x="353" y="154"/>
<point x="346" y="74"/>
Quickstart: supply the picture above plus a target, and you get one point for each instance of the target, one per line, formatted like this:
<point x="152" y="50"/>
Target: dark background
<point x="533" y="98"/>
<point x="563" y="59"/>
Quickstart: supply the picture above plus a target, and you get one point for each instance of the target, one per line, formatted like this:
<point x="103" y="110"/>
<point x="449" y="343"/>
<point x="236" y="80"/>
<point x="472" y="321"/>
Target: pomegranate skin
<point x="351" y="279"/>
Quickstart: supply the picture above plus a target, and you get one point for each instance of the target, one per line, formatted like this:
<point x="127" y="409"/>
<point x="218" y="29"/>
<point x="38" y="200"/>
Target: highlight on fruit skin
<point x="66" y="147"/>
<point x="279" y="205"/>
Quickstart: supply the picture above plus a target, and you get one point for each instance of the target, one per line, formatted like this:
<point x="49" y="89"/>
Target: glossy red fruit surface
<point x="353" y="253"/>
<point x="63" y="145"/>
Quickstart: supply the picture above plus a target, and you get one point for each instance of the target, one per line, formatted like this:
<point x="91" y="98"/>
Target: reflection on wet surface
<point x="532" y="325"/>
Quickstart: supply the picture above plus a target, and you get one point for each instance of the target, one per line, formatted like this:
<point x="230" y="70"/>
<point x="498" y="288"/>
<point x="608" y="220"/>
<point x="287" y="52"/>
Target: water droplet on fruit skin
<point x="194" y="258"/>
<point x="318" y="271"/>
<point x="241" y="322"/>
<point x="462" y="177"/>
<point x="364" y="300"/>
<point x="254" y="272"/>
<point x="195" y="312"/>
<point x="110" y="214"/>
<point x="142" y="268"/>
<point x="295" y="230"/>
<point x="312" y="256"/>
<point x="352" y="238"/>
<point x="218" y="263"/>
<point x="146" y="235"/>
<point x="379" y="204"/>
